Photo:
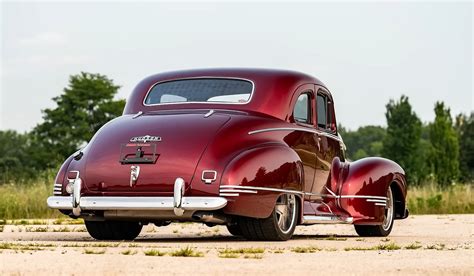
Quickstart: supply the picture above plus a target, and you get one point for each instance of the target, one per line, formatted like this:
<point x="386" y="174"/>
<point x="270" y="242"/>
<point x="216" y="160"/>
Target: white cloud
<point x="44" y="39"/>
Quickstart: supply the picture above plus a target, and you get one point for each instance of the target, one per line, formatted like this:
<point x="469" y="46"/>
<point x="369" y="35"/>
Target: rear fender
<point x="358" y="183"/>
<point x="261" y="174"/>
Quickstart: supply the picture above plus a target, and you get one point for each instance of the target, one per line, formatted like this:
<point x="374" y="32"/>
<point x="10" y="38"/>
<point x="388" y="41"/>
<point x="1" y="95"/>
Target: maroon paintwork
<point x="311" y="162"/>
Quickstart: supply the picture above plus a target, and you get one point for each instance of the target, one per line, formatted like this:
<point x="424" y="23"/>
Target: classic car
<point x="257" y="150"/>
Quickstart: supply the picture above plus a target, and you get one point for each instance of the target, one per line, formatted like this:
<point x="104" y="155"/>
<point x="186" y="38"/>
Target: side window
<point x="322" y="111"/>
<point x="302" y="110"/>
<point x="325" y="111"/>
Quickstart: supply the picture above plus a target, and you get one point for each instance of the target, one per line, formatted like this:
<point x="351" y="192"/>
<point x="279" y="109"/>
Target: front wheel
<point x="279" y="226"/>
<point x="386" y="227"/>
<point x="113" y="230"/>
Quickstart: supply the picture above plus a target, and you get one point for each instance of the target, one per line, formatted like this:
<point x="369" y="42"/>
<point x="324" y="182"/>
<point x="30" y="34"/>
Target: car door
<point x="303" y="141"/>
<point x="328" y="142"/>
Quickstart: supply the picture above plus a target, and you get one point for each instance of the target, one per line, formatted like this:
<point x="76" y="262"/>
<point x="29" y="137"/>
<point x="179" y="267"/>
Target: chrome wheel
<point x="285" y="210"/>
<point x="388" y="218"/>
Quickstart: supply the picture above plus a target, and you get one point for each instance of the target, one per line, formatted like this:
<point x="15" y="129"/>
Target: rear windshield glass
<point x="200" y="90"/>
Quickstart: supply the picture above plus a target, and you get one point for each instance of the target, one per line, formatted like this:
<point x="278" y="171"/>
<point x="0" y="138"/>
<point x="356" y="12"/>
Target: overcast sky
<point x="366" y="53"/>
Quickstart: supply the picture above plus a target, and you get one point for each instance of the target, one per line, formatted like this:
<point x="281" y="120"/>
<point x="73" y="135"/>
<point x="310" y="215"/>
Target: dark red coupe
<point x="256" y="150"/>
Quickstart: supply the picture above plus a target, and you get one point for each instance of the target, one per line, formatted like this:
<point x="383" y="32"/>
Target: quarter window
<point x="301" y="112"/>
<point x="322" y="111"/>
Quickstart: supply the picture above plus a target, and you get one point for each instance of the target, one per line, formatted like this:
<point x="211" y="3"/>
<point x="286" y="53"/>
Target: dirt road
<point x="437" y="244"/>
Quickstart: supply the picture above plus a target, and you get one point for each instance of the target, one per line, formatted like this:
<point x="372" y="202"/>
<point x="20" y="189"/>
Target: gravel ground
<point x="428" y="245"/>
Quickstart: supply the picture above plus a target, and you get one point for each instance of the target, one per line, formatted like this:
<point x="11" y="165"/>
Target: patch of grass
<point x="153" y="252"/>
<point x="360" y="239"/>
<point x="134" y="245"/>
<point x="62" y="229"/>
<point x="67" y="221"/>
<point x="253" y="256"/>
<point x="413" y="246"/>
<point x="307" y="249"/>
<point x="438" y="246"/>
<point x="22" y="247"/>
<point x="1" y="228"/>
<point x="278" y="251"/>
<point x="229" y="255"/>
<point x="334" y="238"/>
<point x="93" y="251"/>
<point x="36" y="229"/>
<point x="27" y="201"/>
<point x="433" y="199"/>
<point x="247" y="250"/>
<point x="385" y="240"/>
<point x="128" y="252"/>
<point x="386" y="246"/>
<point x="187" y="252"/>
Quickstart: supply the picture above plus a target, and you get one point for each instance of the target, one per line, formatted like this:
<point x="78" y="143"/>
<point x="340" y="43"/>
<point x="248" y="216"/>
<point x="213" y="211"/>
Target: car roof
<point x="272" y="95"/>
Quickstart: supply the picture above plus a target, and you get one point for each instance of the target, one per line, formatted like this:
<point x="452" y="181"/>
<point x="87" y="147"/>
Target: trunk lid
<point x="171" y="146"/>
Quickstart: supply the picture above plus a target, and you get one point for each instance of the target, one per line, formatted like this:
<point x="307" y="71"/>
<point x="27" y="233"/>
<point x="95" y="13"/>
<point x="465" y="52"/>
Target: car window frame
<point x="329" y="112"/>
<point x="310" y="94"/>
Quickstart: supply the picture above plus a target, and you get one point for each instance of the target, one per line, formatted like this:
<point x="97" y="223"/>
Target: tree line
<point x="441" y="151"/>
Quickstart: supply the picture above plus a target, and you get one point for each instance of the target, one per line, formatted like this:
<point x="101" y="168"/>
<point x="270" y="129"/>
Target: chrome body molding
<point x="139" y="113"/>
<point x="311" y="130"/>
<point x="208" y="114"/>
<point x="326" y="219"/>
<point x="252" y="189"/>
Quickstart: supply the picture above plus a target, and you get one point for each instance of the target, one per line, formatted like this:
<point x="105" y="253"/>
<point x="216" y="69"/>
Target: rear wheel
<point x="279" y="226"/>
<point x="113" y="230"/>
<point x="386" y="227"/>
<point x="234" y="229"/>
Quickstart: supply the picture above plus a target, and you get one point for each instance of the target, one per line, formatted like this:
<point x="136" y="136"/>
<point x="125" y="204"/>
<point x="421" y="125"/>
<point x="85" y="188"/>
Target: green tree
<point x="12" y="154"/>
<point x="465" y="127"/>
<point x="365" y="141"/>
<point x="445" y="146"/>
<point x="402" y="142"/>
<point x="86" y="104"/>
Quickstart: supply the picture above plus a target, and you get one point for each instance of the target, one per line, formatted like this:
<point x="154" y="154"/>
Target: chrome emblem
<point x="146" y="138"/>
<point x="134" y="173"/>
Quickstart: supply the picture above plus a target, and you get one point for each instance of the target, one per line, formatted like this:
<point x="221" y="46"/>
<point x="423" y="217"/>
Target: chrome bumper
<point x="178" y="203"/>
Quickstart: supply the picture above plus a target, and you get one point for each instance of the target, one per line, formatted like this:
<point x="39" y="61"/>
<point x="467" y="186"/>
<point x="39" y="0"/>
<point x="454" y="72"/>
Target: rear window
<point x="200" y="90"/>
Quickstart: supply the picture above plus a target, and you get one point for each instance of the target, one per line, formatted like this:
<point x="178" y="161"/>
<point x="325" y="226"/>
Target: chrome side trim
<point x="363" y="196"/>
<point x="137" y="203"/>
<point x="377" y="200"/>
<point x="262" y="189"/>
<point x="200" y="77"/>
<point x="228" y="194"/>
<point x="57" y="188"/>
<point x="237" y="191"/>
<point x="326" y="219"/>
<point x="311" y="130"/>
<point x="209" y="113"/>
<point x="331" y="195"/>
<point x="381" y="204"/>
